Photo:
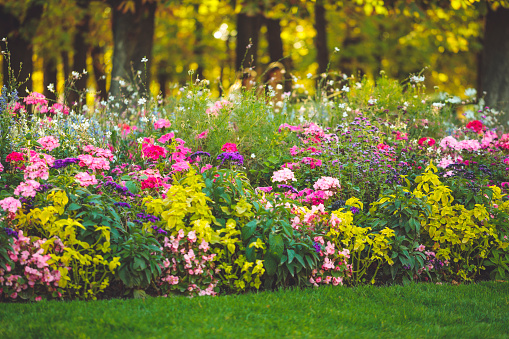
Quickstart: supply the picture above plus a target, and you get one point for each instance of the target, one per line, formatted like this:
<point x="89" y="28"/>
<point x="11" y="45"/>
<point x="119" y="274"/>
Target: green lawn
<point x="414" y="311"/>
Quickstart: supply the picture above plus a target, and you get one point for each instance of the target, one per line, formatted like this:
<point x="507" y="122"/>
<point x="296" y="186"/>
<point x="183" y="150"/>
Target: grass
<point x="413" y="311"/>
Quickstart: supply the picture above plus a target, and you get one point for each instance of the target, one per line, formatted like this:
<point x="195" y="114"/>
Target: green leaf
<point x="132" y="187"/>
<point x="270" y="265"/>
<point x="276" y="245"/>
<point x="291" y="255"/>
<point x="73" y="207"/>
<point x="248" y="230"/>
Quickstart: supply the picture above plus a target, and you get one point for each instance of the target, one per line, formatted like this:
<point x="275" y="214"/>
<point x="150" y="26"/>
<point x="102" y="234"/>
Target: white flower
<point x="345" y="114"/>
<point x="438" y="105"/>
<point x="358" y="85"/>
<point x="144" y="59"/>
<point x="75" y="74"/>
<point x="416" y="79"/>
<point x="346" y="89"/>
<point x="309" y="75"/>
<point x="51" y="87"/>
<point x="471" y="92"/>
<point x="454" y="100"/>
<point x="144" y="119"/>
<point x="336" y="49"/>
<point x="253" y="156"/>
<point x="372" y="101"/>
<point x="142" y="101"/>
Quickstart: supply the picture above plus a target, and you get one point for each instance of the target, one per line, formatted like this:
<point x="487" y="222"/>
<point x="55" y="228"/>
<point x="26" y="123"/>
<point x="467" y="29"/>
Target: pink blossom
<point x="59" y="108"/>
<point x="35" y="98"/>
<point x="85" y="179"/>
<point x="191" y="236"/>
<point x="448" y="142"/>
<point x="27" y="189"/>
<point x="326" y="183"/>
<point x="180" y="166"/>
<point x="203" y="134"/>
<point x="48" y="143"/>
<point x="283" y="175"/>
<point x="168" y="136"/>
<point x="229" y="147"/>
<point x="10" y="204"/>
<point x="162" y="123"/>
<point x="206" y="167"/>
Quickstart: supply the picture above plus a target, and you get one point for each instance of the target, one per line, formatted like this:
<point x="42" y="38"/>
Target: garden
<point x="208" y="191"/>
<point x="199" y="196"/>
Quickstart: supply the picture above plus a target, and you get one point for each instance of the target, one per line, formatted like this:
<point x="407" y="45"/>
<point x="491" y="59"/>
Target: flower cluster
<point x="32" y="270"/>
<point x="188" y="265"/>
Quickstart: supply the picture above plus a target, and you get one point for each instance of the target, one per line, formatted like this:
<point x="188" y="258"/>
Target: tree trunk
<point x="133" y="34"/>
<point x="248" y="28"/>
<point x="495" y="62"/>
<point x="20" y="46"/>
<point x="99" y="72"/>
<point x="276" y="52"/>
<point x="198" y="45"/>
<point x="50" y="77"/>
<point x="65" y="65"/>
<point x="322" y="51"/>
<point x="80" y="47"/>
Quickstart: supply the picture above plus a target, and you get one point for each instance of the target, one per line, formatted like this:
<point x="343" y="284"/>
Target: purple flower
<point x="61" y="163"/>
<point x="122" y="204"/>
<point x="10" y="232"/>
<point x="234" y="157"/>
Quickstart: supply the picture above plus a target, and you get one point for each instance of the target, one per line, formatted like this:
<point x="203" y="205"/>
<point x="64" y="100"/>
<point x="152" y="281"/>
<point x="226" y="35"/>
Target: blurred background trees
<point x="95" y="43"/>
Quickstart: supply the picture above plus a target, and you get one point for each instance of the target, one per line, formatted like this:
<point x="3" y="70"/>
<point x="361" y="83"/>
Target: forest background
<point x="454" y="44"/>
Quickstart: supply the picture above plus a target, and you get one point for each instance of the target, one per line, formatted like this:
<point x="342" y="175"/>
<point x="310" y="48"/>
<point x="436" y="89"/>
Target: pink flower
<point x="448" y="142"/>
<point x="475" y="126"/>
<point x="39" y="298"/>
<point x="429" y="141"/>
<point x="162" y="123"/>
<point x="204" y="245"/>
<point x="27" y="189"/>
<point x="229" y="147"/>
<point x="326" y="183"/>
<point x="1" y="167"/>
<point x="10" y="204"/>
<point x="35" y="98"/>
<point x="59" y="108"/>
<point x="180" y="166"/>
<point x="48" y="143"/>
<point x="191" y="236"/>
<point x="203" y="134"/>
<point x="85" y="179"/>
<point x="154" y="152"/>
<point x="163" y="139"/>
<point x="206" y="167"/>
<point x="421" y="248"/>
<point x="283" y="175"/>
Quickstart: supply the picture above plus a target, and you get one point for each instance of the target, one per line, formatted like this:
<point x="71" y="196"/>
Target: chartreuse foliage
<point x="86" y="267"/>
<point x="463" y="237"/>
<point x="369" y="249"/>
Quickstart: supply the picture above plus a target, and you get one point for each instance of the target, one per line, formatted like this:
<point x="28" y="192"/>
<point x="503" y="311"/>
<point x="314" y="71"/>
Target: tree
<point x="495" y="61"/>
<point x="18" y="23"/>
<point x="133" y="34"/>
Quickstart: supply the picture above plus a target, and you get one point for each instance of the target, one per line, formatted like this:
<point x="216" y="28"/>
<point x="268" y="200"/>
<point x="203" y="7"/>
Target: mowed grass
<point x="413" y="311"/>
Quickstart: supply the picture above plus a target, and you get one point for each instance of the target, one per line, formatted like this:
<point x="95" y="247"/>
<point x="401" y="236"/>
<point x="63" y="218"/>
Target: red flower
<point x="430" y="141"/>
<point x="14" y="156"/>
<point x="475" y="126"/>
<point x="228" y="147"/>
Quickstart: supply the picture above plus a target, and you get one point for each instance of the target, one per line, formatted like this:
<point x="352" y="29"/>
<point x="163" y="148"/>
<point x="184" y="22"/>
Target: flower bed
<point x="90" y="212"/>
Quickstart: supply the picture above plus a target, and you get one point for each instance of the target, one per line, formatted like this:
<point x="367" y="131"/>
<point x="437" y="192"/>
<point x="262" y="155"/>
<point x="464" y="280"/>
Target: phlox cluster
<point x="31" y="271"/>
